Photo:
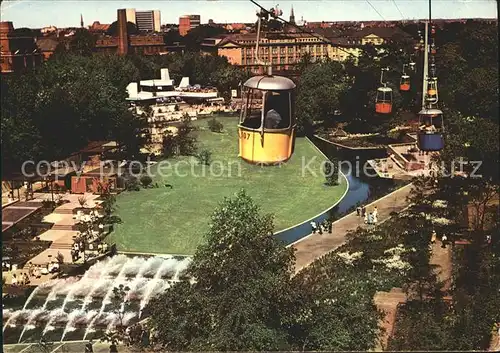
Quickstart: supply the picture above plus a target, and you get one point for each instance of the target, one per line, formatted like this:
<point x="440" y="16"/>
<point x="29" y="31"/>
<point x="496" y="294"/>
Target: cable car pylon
<point x="431" y="123"/>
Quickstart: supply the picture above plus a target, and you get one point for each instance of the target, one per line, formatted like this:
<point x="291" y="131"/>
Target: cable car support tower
<point x="431" y="124"/>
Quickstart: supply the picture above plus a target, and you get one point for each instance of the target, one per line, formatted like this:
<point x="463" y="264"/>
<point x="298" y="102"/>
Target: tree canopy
<point x="113" y="29"/>
<point x="75" y="98"/>
<point x="242" y="294"/>
<point x="320" y="91"/>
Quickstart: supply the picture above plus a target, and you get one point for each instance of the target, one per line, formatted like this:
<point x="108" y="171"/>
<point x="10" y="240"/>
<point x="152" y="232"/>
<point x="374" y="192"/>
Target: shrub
<point x="132" y="184"/>
<point x="146" y="181"/>
<point x="214" y="125"/>
<point x="331" y="173"/>
<point x="204" y="157"/>
<point x="169" y="145"/>
<point x="48" y="204"/>
<point x="185" y="140"/>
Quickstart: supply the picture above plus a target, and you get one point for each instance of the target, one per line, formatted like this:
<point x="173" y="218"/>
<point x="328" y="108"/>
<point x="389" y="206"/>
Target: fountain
<point x="79" y="308"/>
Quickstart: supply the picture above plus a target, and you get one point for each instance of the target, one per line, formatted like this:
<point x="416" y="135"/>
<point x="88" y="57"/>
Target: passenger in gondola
<point x="273" y="118"/>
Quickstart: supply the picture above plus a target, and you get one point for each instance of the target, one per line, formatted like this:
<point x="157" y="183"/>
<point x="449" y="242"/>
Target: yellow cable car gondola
<point x="267" y="122"/>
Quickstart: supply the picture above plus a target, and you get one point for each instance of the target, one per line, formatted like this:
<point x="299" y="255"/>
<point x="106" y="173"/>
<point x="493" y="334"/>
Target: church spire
<point x="292" y="17"/>
<point x="81" y="20"/>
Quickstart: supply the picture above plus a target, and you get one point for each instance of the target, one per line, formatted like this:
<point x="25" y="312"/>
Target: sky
<point x="66" y="13"/>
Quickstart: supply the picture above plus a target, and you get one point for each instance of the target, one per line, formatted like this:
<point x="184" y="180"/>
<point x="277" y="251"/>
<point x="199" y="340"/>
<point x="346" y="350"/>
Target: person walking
<point x="444" y="241"/>
<point x="38" y="273"/>
<point x="89" y="348"/>
<point x="30" y="269"/>
<point x="14" y="280"/>
<point x="313" y="227"/>
<point x="113" y="348"/>
<point x="433" y="237"/>
<point x="363" y="211"/>
<point x="358" y="211"/>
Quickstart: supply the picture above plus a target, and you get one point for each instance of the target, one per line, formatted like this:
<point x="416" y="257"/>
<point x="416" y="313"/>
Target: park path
<point x="314" y="246"/>
<point x="442" y="259"/>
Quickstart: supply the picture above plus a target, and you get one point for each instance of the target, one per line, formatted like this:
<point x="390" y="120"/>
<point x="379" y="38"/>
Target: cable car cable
<point x="373" y="7"/>
<point x="397" y="7"/>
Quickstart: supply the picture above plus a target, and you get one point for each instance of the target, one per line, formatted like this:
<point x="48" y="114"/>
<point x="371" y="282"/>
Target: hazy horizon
<point x="66" y="13"/>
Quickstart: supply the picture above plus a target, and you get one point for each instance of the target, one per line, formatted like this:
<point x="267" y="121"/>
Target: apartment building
<point x="18" y="49"/>
<point x="146" y="21"/>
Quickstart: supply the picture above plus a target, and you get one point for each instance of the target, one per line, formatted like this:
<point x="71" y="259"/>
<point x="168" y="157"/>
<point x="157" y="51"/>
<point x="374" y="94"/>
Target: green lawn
<point x="174" y="221"/>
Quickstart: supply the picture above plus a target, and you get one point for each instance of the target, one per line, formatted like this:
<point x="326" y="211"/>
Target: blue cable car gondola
<point x="430" y="134"/>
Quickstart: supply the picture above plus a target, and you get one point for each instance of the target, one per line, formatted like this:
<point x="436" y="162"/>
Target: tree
<point x="214" y="125"/>
<point x="185" y="140"/>
<point x="169" y="145"/>
<point x="119" y="306"/>
<point x="470" y="82"/>
<point x="195" y="36"/>
<point x="113" y="29"/>
<point x="331" y="170"/>
<point x="82" y="43"/>
<point x="319" y="92"/>
<point x="242" y="292"/>
<point x="108" y="206"/>
<point x="146" y="181"/>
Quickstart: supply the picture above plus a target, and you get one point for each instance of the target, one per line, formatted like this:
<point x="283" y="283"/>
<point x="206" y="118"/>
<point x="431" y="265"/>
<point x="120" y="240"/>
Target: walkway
<point x="442" y="259"/>
<point x="314" y="246"/>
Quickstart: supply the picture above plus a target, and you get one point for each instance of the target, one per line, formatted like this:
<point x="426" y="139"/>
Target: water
<point x="81" y="308"/>
<point x="363" y="187"/>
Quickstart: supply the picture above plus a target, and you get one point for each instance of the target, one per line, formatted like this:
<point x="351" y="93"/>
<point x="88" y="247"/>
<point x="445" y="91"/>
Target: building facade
<point x="187" y="23"/>
<point x="138" y="44"/>
<point x="18" y="50"/>
<point x="148" y="21"/>
<point x="283" y="50"/>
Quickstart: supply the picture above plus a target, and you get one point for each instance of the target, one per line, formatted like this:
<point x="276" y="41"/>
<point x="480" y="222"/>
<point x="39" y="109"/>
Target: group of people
<point x="76" y="249"/>
<point x="368" y="217"/>
<point x="444" y="239"/>
<point x="89" y="347"/>
<point x="22" y="280"/>
<point x="138" y="334"/>
<point x="101" y="248"/>
<point x="325" y="226"/>
<point x="10" y="197"/>
<point x="34" y="271"/>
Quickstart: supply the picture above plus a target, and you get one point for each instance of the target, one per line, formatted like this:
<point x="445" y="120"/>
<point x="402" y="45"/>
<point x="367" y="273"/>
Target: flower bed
<point x="372" y="260"/>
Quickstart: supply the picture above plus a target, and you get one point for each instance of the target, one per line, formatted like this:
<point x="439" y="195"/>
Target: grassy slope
<point x="174" y="220"/>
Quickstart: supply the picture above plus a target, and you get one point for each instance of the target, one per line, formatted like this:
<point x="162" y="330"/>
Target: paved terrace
<point x="61" y="234"/>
